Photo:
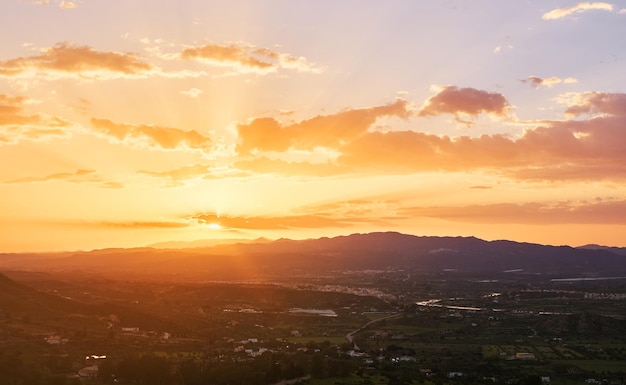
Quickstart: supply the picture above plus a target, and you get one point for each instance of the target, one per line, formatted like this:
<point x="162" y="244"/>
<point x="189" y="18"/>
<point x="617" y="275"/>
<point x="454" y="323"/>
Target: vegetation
<point x="366" y="327"/>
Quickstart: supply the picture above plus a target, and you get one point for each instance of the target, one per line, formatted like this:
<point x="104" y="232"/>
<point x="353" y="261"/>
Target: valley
<point x="360" y="318"/>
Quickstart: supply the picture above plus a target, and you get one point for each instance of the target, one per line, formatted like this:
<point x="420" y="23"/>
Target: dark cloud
<point x="468" y="101"/>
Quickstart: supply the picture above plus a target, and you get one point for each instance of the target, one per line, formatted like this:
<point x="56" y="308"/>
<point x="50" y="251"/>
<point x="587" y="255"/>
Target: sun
<point x="215" y="226"/>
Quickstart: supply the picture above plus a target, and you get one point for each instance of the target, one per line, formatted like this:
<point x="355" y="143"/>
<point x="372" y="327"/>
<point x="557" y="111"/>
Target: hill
<point x="614" y="250"/>
<point x="290" y="258"/>
<point x="50" y="311"/>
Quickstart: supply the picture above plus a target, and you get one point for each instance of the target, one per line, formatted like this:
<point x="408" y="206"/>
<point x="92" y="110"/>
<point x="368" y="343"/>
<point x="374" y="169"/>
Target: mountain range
<point x="284" y="257"/>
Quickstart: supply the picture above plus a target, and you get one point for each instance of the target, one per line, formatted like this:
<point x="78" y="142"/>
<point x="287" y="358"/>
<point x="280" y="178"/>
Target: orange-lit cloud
<point x="560" y="150"/>
<point x="79" y="176"/>
<point x="377" y="210"/>
<point x="67" y="60"/>
<point x="536" y="81"/>
<point x="67" y="4"/>
<point x="183" y="173"/>
<point x="246" y="58"/>
<point x="154" y="136"/>
<point x="559" y="13"/>
<point x="63" y="4"/>
<point x="465" y="101"/>
<point x="264" y="165"/>
<point x="142" y="225"/>
<point x="579" y="146"/>
<point x="15" y="125"/>
<point x="267" y="134"/>
<point x="595" y="103"/>
<point x="585" y="212"/>
<point x="271" y="223"/>
<point x="192" y="93"/>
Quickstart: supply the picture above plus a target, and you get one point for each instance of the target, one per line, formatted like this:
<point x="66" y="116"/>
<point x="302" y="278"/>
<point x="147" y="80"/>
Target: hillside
<point x="288" y="258"/>
<point x="21" y="302"/>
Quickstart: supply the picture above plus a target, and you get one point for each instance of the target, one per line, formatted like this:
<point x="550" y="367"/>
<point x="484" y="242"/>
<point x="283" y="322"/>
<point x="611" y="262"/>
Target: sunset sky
<point x="126" y="123"/>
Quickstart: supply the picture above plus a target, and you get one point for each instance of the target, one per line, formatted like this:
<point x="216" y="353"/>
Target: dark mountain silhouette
<point x="283" y="258"/>
<point x="614" y="250"/>
<point x="204" y="243"/>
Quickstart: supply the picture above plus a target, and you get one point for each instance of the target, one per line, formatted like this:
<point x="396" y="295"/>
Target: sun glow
<point x="215" y="226"/>
<point x="243" y="122"/>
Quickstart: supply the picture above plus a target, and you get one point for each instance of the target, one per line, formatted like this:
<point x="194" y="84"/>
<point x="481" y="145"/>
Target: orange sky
<point x="130" y="123"/>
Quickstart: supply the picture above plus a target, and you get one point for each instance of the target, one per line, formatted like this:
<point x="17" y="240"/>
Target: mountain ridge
<point x="360" y="251"/>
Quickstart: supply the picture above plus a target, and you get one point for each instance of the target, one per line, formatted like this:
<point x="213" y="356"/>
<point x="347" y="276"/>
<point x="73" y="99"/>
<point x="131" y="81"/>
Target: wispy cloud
<point x="142" y="224"/>
<point x="167" y="138"/>
<point x="247" y="58"/>
<point x="192" y="92"/>
<point x="17" y="125"/>
<point x="66" y="60"/>
<point x="559" y="212"/>
<point x="67" y="4"/>
<point x="78" y="176"/>
<point x="536" y="81"/>
<point x="63" y="4"/>
<point x="270" y="222"/>
<point x="559" y="13"/>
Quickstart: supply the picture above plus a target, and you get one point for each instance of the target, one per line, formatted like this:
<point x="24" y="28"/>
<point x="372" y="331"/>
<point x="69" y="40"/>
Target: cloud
<point x="78" y="176"/>
<point x="67" y="4"/>
<point x="465" y="101"/>
<point x="154" y="136"/>
<point x="183" y="173"/>
<point x="270" y="223"/>
<point x="372" y="211"/>
<point x="499" y="48"/>
<point x="268" y="134"/>
<point x="559" y="13"/>
<point x="144" y="224"/>
<point x="594" y="103"/>
<point x="192" y="93"/>
<point x="63" y="4"/>
<point x="16" y="125"/>
<point x="246" y="58"/>
<point x="579" y="146"/>
<point x="536" y="82"/>
<point x="65" y="60"/>
<point x="589" y="149"/>
<point x="563" y="212"/>
<point x="265" y="165"/>
<point x="177" y="176"/>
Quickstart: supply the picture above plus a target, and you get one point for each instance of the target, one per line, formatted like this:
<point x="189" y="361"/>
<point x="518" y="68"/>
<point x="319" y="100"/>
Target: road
<point x="350" y="336"/>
